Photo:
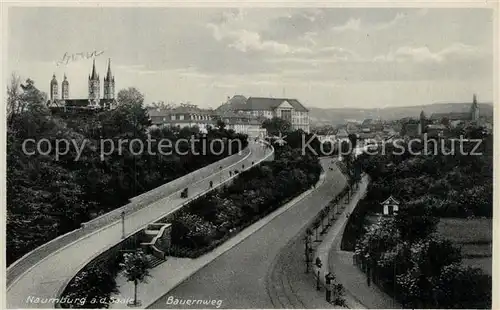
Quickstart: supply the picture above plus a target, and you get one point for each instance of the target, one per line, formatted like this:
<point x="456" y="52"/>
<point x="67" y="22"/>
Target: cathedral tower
<point x="422" y="124"/>
<point x="53" y="88"/>
<point x="65" y="88"/>
<point x="109" y="83"/>
<point x="94" y="86"/>
<point x="474" y="109"/>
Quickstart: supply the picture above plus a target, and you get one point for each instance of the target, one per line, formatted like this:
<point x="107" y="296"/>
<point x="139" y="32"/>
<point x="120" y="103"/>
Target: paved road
<point x="289" y="285"/>
<point x="48" y="278"/>
<point x="238" y="277"/>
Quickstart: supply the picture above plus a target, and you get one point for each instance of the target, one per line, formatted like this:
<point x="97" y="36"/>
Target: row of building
<point x="437" y="124"/>
<point x="243" y="115"/>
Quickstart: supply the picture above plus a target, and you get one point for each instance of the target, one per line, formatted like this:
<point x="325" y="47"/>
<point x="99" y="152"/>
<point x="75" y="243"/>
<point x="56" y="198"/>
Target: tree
<point x="220" y="124"/>
<point x="276" y="125"/>
<point x="130" y="96"/>
<point x="94" y="282"/>
<point x="129" y="119"/>
<point x="462" y="287"/>
<point x="136" y="269"/>
<point x="315" y="226"/>
<point x="162" y="105"/>
<point x="415" y="220"/>
<point x="14" y="104"/>
<point x="353" y="139"/>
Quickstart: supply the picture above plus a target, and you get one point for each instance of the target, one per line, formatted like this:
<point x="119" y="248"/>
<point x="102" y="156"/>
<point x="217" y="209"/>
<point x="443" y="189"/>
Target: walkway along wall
<point x="32" y="258"/>
<point x="132" y="241"/>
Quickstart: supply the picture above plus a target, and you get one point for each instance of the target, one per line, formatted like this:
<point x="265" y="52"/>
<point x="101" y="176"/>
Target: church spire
<point x="109" y="83"/>
<point x="474" y="109"/>
<point x="65" y="88"/>
<point x="94" y="75"/>
<point x="53" y="88"/>
<point x="109" y="76"/>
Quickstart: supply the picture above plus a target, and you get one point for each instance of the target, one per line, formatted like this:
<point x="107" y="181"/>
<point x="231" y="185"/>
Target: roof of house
<point x="367" y="135"/>
<point x="412" y="129"/>
<point x="238" y="99"/>
<point x="388" y="129"/>
<point x="158" y="120"/>
<point x="179" y="110"/>
<point x="237" y="102"/>
<point x="263" y="103"/>
<point x="342" y="133"/>
<point x="157" y="112"/>
<point x="390" y="200"/>
<point x="367" y="122"/>
<point x="259" y="104"/>
<point x="451" y="116"/>
<point x="436" y="126"/>
<point x="75" y="102"/>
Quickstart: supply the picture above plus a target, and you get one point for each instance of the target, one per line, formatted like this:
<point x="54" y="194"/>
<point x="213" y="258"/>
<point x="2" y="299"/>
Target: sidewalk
<point x="322" y="251"/>
<point x="174" y="271"/>
<point x="358" y="294"/>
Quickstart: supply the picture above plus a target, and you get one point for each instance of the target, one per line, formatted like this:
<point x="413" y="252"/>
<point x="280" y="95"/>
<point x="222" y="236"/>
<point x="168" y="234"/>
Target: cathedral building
<point x="93" y="102"/>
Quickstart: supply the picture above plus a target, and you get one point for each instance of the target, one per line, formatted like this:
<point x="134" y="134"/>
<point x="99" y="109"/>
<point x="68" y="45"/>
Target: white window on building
<point x="172" y="117"/>
<point x="181" y="117"/>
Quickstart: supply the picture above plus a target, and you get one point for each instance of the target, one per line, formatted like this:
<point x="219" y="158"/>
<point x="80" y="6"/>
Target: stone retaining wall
<point x="32" y="258"/>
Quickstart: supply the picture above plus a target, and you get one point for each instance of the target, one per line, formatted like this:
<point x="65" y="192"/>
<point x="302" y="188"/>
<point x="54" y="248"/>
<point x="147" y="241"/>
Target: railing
<point x="30" y="259"/>
<point x="104" y="253"/>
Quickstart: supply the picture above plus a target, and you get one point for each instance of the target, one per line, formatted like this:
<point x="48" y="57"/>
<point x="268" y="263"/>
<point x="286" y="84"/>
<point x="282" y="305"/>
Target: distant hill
<point x="320" y="116"/>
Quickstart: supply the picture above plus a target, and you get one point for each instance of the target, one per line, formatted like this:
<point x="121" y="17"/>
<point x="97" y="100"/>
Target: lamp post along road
<point x="328" y="281"/>
<point x="123" y="224"/>
<point x="318" y="264"/>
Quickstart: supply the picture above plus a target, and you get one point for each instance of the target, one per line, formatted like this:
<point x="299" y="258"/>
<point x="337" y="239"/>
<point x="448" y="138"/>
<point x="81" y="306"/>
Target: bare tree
<point x="14" y="102"/>
<point x="163" y="106"/>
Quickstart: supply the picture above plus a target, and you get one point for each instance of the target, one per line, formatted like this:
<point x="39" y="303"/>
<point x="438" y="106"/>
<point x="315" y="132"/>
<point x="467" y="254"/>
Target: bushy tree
<point x="94" y="284"/>
<point x="415" y="220"/>
<point x="459" y="287"/>
<point x="277" y="125"/>
<point x="192" y="231"/>
<point x="135" y="266"/>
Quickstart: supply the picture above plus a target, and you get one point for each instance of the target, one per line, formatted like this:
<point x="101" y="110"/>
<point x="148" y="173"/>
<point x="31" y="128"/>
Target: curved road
<point x="239" y="277"/>
<point x="48" y="278"/>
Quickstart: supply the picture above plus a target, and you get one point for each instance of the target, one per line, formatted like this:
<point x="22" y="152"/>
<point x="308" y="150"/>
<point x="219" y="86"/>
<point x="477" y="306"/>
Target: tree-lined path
<point x="239" y="276"/>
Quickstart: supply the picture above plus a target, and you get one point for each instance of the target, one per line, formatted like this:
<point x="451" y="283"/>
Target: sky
<point x="324" y="57"/>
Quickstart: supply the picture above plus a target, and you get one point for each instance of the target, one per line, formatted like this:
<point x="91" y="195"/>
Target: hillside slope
<point x="340" y="116"/>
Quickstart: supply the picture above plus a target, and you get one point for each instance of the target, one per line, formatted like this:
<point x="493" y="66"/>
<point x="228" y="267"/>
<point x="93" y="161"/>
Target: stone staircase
<point x="154" y="261"/>
<point x="154" y="241"/>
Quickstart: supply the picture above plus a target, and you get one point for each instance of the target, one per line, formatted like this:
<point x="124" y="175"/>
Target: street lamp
<point x="123" y="224"/>
<point x="318" y="264"/>
<point x="328" y="281"/>
<point x="308" y="249"/>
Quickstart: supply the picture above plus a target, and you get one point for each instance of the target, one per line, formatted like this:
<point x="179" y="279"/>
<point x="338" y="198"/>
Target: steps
<point x="154" y="261"/>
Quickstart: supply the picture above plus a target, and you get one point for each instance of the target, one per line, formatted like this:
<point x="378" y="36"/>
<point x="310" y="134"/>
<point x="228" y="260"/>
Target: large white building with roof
<point x="188" y="115"/>
<point x="286" y="108"/>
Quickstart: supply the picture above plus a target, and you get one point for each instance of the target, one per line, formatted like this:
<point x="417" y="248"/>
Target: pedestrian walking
<point x="211" y="184"/>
